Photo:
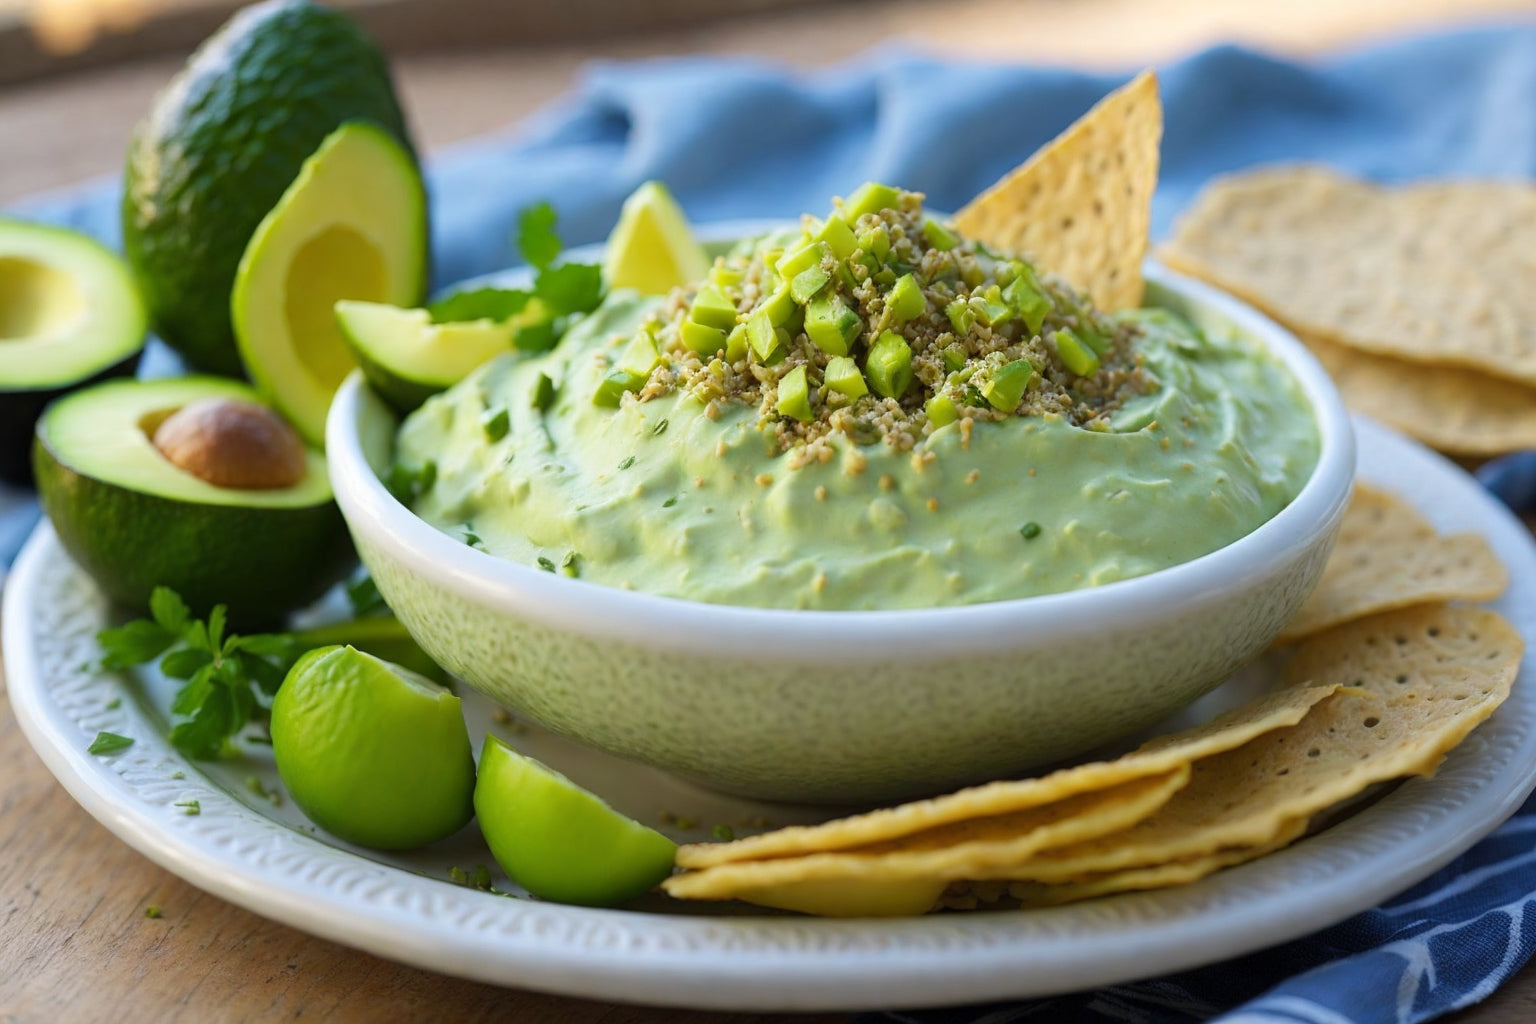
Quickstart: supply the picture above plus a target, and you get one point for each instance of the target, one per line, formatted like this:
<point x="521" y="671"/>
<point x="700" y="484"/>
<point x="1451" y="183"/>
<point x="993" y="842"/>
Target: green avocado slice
<point x="69" y="315"/>
<point x="407" y="358"/>
<point x="353" y="225"/>
<point x="134" y="520"/>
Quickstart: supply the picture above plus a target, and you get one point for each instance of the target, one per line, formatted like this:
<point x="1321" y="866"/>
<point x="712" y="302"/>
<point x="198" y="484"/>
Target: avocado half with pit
<point x="69" y="315"/>
<point x="353" y="225"/>
<point x="194" y="484"/>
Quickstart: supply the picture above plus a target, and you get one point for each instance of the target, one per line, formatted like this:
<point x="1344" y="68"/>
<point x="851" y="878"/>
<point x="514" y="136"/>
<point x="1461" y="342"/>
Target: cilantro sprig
<point x="559" y="293"/>
<point x="227" y="679"/>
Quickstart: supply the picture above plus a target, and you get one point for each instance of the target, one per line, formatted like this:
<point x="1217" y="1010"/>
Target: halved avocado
<point x="353" y="225"/>
<point x="69" y="315"/>
<point x="134" y="520"/>
<point x="407" y="358"/>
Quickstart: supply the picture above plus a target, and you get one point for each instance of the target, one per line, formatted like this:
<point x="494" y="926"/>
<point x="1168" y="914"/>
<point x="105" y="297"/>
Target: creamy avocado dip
<point x="1000" y="440"/>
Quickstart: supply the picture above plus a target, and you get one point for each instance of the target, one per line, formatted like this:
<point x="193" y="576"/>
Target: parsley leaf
<point x="497" y="304"/>
<point x="109" y="743"/>
<point x="364" y="596"/>
<point x="536" y="238"/>
<point x="570" y="287"/>
<point x="226" y="678"/>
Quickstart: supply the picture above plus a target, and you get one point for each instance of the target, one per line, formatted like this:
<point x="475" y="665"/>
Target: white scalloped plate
<point x="264" y="856"/>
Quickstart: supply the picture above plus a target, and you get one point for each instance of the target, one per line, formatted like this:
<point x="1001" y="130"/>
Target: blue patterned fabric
<point x="737" y="139"/>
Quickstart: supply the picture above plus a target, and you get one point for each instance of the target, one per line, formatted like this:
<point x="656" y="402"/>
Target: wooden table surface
<point x="75" y="943"/>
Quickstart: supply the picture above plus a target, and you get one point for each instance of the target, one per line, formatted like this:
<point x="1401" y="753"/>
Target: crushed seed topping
<point x="959" y="326"/>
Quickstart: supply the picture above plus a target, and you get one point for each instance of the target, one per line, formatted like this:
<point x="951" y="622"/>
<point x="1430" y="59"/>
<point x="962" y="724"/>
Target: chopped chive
<point x="1030" y="530"/>
<point x="191" y="808"/>
<point x="660" y="428"/>
<point x="543" y="393"/>
<point x="669" y="502"/>
<point x="109" y="743"/>
<point x="629" y="461"/>
<point x="472" y="538"/>
<point x="114" y="703"/>
<point x="546" y="564"/>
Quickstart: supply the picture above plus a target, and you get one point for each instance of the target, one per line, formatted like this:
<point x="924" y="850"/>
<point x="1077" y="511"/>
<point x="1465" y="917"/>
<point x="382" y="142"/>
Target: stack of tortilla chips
<point x="1418" y="300"/>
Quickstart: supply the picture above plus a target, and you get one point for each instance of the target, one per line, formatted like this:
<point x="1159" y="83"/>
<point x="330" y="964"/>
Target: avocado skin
<point x="224" y="141"/>
<point x="130" y="542"/>
<point x="19" y="411"/>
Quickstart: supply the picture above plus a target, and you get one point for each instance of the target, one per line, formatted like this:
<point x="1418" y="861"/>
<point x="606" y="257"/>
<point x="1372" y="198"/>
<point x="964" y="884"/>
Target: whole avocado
<point x="224" y="140"/>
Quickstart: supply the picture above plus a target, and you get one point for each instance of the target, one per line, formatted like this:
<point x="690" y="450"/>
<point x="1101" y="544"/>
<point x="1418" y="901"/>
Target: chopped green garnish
<point x="830" y="324"/>
<point x="546" y="564"/>
<point x="1075" y="356"/>
<point x="109" y="743"/>
<point x="736" y="344"/>
<point x="703" y="339"/>
<point x="152" y="912"/>
<point x="472" y="538"/>
<point x="1024" y="297"/>
<point x="629" y="460"/>
<point x="905" y="300"/>
<point x="842" y="375"/>
<point x="838" y="236"/>
<point x="711" y="308"/>
<point x="781" y="308"/>
<point x="408" y="484"/>
<point x="990" y="308"/>
<point x="482" y="877"/>
<point x="569" y="566"/>
<point x="615" y="384"/>
<point x="797" y="261"/>
<point x="114" y="703"/>
<point x="961" y="316"/>
<point x="889" y="365"/>
<point x="794" y="395"/>
<point x="954" y="358"/>
<point x="254" y="784"/>
<point x="877" y="242"/>
<point x="721" y="275"/>
<point x="1006" y="388"/>
<point x="660" y="428"/>
<point x="641" y="355"/>
<point x="941" y="410"/>
<point x="870" y="197"/>
<point x="764" y="338"/>
<point x="1030" y="530"/>
<point x="458" y="875"/>
<point x="226" y="677"/>
<point x="191" y="808"/>
<point x="543" y="393"/>
<point x="939" y="236"/>
<point x="807" y="283"/>
<point x="669" y="502"/>
<point x="723" y="833"/>
<point x="495" y="423"/>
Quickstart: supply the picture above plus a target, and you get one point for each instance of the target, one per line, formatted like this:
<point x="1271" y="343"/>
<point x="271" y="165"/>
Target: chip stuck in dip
<point x="872" y="410"/>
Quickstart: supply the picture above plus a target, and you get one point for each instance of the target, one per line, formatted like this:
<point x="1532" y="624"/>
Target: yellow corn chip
<point x="1460" y="411"/>
<point x="1156" y="876"/>
<point x="1456" y="667"/>
<point x="1435" y="274"/>
<point x="1387" y="557"/>
<point x="1161" y="756"/>
<point x="1081" y="206"/>
<point x="956" y="851"/>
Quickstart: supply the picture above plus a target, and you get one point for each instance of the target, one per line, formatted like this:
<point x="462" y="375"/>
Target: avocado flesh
<point x="134" y="521"/>
<point x="223" y="142"/>
<point x="69" y="316"/>
<point x="351" y="226"/>
<point x="407" y="358"/>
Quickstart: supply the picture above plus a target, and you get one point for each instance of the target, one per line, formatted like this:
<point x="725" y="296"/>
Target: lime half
<point x="652" y="248"/>
<point x="559" y="841"/>
<point x="373" y="753"/>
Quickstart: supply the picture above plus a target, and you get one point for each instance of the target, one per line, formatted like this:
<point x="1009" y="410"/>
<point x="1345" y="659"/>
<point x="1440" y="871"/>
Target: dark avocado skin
<point x="224" y="141"/>
<point x="19" y="411"/>
<point x="137" y="541"/>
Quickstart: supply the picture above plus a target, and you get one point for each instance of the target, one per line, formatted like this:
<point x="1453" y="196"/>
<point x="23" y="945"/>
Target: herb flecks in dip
<point x="932" y="424"/>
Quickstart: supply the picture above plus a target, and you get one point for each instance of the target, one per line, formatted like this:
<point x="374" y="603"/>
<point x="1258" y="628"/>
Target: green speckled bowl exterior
<point x="848" y="707"/>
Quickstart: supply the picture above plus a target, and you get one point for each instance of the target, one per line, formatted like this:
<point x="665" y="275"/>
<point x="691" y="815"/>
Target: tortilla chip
<point x="1432" y="274"/>
<point x="957" y="851"/>
<point x="1456" y="667"/>
<point x="838" y="898"/>
<point x="1082" y="205"/>
<point x="1459" y="411"/>
<point x="1387" y="557"/>
<point x="1161" y="756"/>
<point x="1157" y="876"/>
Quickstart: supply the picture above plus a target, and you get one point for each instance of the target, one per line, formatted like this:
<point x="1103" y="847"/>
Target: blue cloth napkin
<point x="738" y="139"/>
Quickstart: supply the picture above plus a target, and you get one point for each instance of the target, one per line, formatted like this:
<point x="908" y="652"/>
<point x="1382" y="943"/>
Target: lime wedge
<point x="652" y="248"/>
<point x="559" y="841"/>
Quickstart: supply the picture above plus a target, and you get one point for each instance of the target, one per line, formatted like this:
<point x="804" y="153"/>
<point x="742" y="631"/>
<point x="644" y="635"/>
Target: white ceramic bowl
<point x="846" y="707"/>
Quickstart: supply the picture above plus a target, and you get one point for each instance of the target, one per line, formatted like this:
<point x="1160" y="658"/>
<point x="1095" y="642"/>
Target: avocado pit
<point x="234" y="444"/>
